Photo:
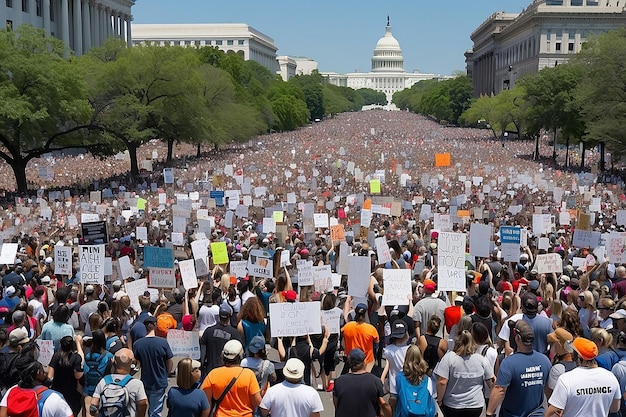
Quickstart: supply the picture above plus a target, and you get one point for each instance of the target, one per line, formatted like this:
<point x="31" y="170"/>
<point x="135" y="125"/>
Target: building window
<point x="230" y="42"/>
<point x="25" y="6"/>
<point x="558" y="46"/>
<point x="9" y="4"/>
<point x="577" y="2"/>
<point x="51" y="13"/>
<point x="218" y="42"/>
<point x="570" y="47"/>
<point x="240" y="42"/>
<point x="39" y="9"/>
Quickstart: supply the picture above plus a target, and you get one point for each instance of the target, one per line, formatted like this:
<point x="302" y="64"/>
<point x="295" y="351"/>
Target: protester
<point x="66" y="370"/>
<point x="186" y="399"/>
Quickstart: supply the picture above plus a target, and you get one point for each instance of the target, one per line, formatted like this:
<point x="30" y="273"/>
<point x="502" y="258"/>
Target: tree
<point x="311" y="85"/>
<point x="372" y="97"/>
<point x="43" y="99"/>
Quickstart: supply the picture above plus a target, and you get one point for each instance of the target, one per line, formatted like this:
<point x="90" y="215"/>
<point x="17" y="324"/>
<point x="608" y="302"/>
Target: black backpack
<point x="9" y="375"/>
<point x="431" y="353"/>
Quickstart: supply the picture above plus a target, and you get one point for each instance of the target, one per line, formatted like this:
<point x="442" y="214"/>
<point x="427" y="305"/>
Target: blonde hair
<point x="464" y="344"/>
<point x="606" y="302"/>
<point x="225" y="283"/>
<point x="601" y="337"/>
<point x="184" y="379"/>
<point x="415" y="366"/>
<point x="589" y="300"/>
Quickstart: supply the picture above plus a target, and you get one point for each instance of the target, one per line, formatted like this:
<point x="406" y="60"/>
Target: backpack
<point x="165" y="321"/>
<point x="414" y="401"/>
<point x="9" y="375"/>
<point x="27" y="402"/>
<point x="114" y="397"/>
<point x="96" y="367"/>
<point x="113" y="344"/>
<point x="431" y="353"/>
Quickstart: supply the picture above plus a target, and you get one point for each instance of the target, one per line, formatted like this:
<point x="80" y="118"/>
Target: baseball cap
<point x="429" y="285"/>
<point x="45" y="280"/>
<point x="361" y="308"/>
<point x="290" y="295"/>
<point x="619" y="314"/>
<point x="560" y="335"/>
<point x="232" y="349"/>
<point x="48" y="260"/>
<point x="256" y="344"/>
<point x="18" y="336"/>
<point x="188" y="322"/>
<point x="530" y="303"/>
<point x="525" y="332"/>
<point x="89" y="289"/>
<point x="225" y="311"/>
<point x="117" y="283"/>
<point x="533" y="285"/>
<point x="10" y="291"/>
<point x="585" y="348"/>
<point x="356" y="356"/>
<point x="398" y="329"/>
<point x="149" y="319"/>
<point x="293" y="369"/>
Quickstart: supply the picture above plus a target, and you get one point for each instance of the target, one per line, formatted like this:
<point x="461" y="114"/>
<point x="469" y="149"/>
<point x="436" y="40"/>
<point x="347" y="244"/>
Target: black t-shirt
<point x="212" y="343"/>
<point x="302" y="351"/>
<point x="64" y="380"/>
<point x="176" y="310"/>
<point x="357" y="395"/>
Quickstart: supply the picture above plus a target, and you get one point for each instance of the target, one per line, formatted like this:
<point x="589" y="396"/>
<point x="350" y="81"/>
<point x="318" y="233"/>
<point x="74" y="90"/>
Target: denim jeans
<point x="156" y="398"/>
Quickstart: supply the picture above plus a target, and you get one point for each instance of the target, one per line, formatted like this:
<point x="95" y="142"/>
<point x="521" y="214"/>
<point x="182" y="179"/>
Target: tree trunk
<point x="602" y="161"/>
<point x="19" y="170"/>
<point x="134" y="166"/>
<point x="554" y="147"/>
<point x="537" y="136"/>
<point x="170" y="151"/>
<point x="567" y="152"/>
<point x="198" y="149"/>
<point x="216" y="147"/>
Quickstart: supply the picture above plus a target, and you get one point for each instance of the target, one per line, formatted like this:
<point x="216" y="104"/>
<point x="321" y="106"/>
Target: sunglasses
<point x="603" y="308"/>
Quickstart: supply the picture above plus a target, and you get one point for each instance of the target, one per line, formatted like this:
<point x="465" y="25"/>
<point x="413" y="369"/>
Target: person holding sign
<point x="302" y="348"/>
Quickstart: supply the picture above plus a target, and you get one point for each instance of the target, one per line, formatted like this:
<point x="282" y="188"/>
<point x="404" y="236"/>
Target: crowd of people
<point x="513" y="341"/>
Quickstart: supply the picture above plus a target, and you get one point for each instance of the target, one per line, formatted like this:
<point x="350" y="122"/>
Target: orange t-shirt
<point x="237" y="401"/>
<point x="360" y="335"/>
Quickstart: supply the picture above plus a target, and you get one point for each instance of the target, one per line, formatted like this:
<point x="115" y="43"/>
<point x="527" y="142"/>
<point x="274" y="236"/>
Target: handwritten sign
<point x="46" y="351"/>
<point x="201" y="253"/>
<point x="382" y="250"/>
<point x="480" y="239"/>
<point x="220" y="253"/>
<point x="134" y="289"/>
<point x="359" y="269"/>
<point x="305" y="272"/>
<point x="331" y="319"/>
<point x="91" y="264"/>
<point x="617" y="247"/>
<point x="238" y="268"/>
<point x="269" y="225"/>
<point x="337" y="234"/>
<point x="549" y="262"/>
<point x="154" y="256"/>
<point x="184" y="344"/>
<point x="162" y="278"/>
<point x="322" y="278"/>
<point x="451" y="261"/>
<point x="62" y="260"/>
<point x="125" y="268"/>
<point x="320" y="219"/>
<point x="295" y="319"/>
<point x="188" y="273"/>
<point x="397" y="286"/>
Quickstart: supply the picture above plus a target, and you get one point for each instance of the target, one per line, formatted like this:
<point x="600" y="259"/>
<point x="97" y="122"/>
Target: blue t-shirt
<point x="250" y="330"/>
<point x="524" y="375"/>
<point x="542" y="327"/>
<point x="138" y="329"/>
<point x="186" y="402"/>
<point x="153" y="353"/>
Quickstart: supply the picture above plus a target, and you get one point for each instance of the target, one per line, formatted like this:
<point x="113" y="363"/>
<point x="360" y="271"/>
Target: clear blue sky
<point x="341" y="34"/>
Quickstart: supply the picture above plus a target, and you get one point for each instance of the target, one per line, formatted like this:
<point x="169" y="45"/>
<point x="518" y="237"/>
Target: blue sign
<point x="156" y="257"/>
<point x="510" y="234"/>
<point x="218" y="196"/>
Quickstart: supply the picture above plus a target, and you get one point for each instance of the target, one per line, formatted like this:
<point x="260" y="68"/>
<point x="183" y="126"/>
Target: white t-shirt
<point x="55" y="405"/>
<point x="491" y="354"/>
<point x="38" y="310"/>
<point x="207" y="316"/>
<point x="395" y="357"/>
<point x="585" y="392"/>
<point x="505" y="331"/>
<point x="293" y="400"/>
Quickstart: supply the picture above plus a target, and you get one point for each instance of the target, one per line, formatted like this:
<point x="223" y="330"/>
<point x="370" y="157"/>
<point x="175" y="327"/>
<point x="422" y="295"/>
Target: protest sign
<point x="285" y="258"/>
<point x="541" y="224"/>
<point x="305" y="272"/>
<point x="320" y="219"/>
<point x="7" y="253"/>
<point x="141" y="233"/>
<point x="162" y="278"/>
<point x="260" y="263"/>
<point x="188" y="273"/>
<point x="442" y="159"/>
<point x="269" y="225"/>
<point x="322" y="278"/>
<point x="359" y="270"/>
<point x="219" y="252"/>
<point x="397" y="284"/>
<point x="442" y="223"/>
<point x="451" y="261"/>
<point x="621" y="217"/>
<point x="337" y="233"/>
<point x="295" y="319"/>
<point x="200" y="254"/>
<point x="154" y="256"/>
<point x="184" y="344"/>
<point x="549" y="262"/>
<point x="480" y="240"/>
<point x="134" y="289"/>
<point x="331" y="319"/>
<point x="585" y="238"/>
<point x="46" y="351"/>
<point x="617" y="247"/>
<point x="126" y="270"/>
<point x="62" y="260"/>
<point x="366" y="217"/>
<point x="95" y="232"/>
<point x="382" y="250"/>
<point x="238" y="268"/>
<point x="91" y="264"/>
<point x="375" y="186"/>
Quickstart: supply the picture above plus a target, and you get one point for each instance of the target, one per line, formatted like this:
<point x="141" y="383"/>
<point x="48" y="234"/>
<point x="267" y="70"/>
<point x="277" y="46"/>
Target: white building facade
<point x="387" y="73"/>
<point x="81" y="24"/>
<point x="507" y="46"/>
<point x="237" y="38"/>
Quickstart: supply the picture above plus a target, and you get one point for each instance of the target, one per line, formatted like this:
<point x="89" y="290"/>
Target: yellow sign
<point x="220" y="253"/>
<point x="141" y="203"/>
<point x="375" y="186"/>
<point x="278" y="216"/>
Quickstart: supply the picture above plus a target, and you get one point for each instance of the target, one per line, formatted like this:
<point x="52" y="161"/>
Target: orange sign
<point x="462" y="213"/>
<point x="337" y="233"/>
<point x="442" y="159"/>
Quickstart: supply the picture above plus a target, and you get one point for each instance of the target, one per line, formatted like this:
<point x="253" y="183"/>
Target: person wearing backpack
<point x="186" y="399"/>
<point x="98" y="362"/>
<point x="415" y="389"/>
<point x="9" y="354"/>
<point x="30" y="398"/>
<point x="432" y="346"/>
<point x="119" y="394"/>
<point x="259" y="364"/>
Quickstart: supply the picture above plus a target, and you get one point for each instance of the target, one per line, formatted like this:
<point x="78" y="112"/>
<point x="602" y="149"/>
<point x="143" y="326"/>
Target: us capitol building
<point x="387" y="74"/>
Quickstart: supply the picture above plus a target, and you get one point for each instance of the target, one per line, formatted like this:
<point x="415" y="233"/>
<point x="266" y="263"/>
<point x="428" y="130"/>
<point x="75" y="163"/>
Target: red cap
<point x="290" y="295"/>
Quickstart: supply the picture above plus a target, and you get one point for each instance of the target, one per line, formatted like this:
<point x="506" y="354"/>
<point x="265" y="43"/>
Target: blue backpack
<point x="414" y="400"/>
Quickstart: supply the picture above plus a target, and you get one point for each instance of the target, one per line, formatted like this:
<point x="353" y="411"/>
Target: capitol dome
<point x="388" y="54"/>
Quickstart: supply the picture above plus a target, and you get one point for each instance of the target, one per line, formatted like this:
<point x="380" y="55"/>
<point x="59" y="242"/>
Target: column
<point x="45" y="4"/>
<point x="116" y="24"/>
<point x="3" y="17"/>
<point x="32" y="10"/>
<point x="129" y="32"/>
<point x="78" y="28"/>
<point x="97" y="41"/>
<point x="107" y="23"/>
<point x="86" y="26"/>
<point x="64" y="22"/>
